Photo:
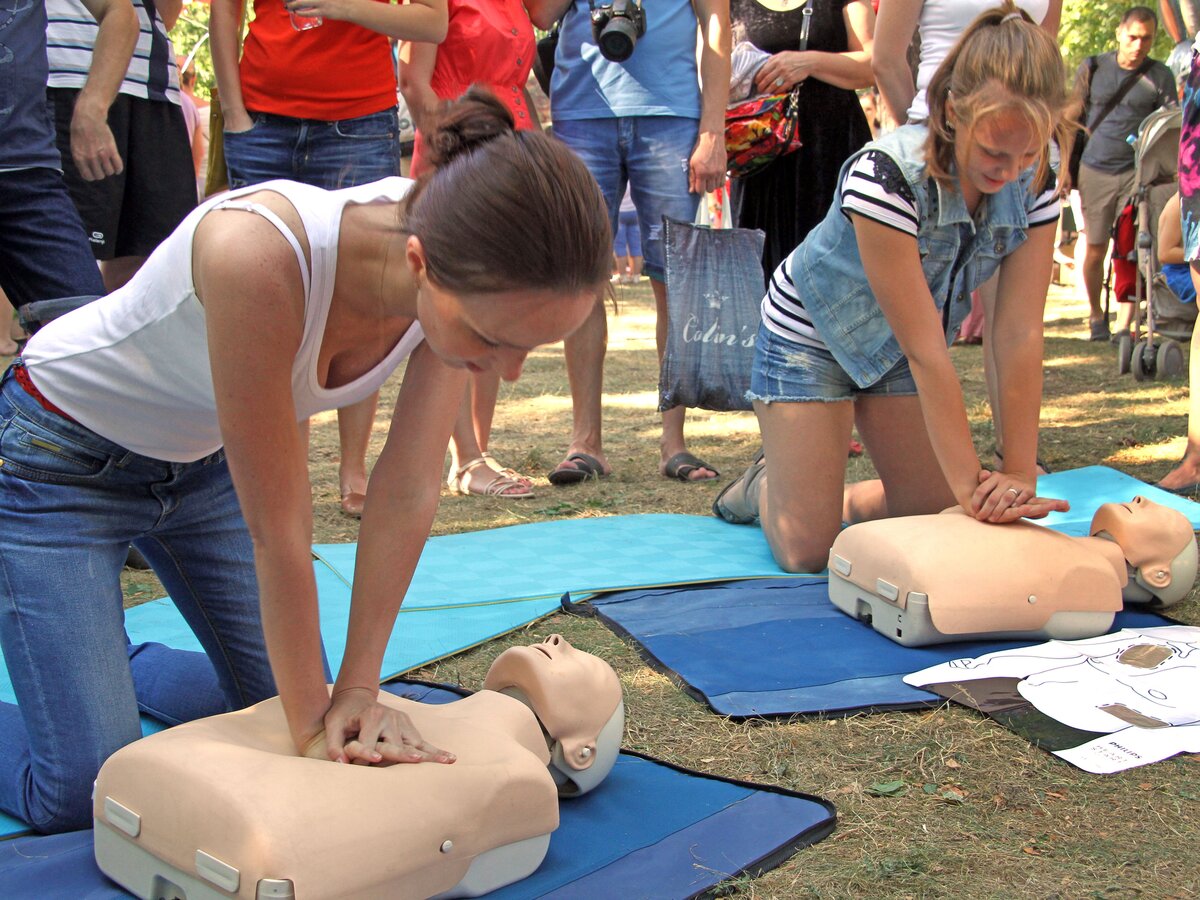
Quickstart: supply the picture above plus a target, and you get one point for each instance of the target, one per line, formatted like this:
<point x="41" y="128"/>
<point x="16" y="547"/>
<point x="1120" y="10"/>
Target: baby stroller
<point x="1153" y="349"/>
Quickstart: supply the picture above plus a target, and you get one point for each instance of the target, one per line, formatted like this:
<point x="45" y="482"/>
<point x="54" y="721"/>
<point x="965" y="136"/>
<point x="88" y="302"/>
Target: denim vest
<point x="958" y="254"/>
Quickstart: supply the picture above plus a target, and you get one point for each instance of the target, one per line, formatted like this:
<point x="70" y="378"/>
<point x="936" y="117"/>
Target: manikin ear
<point x="1157" y="575"/>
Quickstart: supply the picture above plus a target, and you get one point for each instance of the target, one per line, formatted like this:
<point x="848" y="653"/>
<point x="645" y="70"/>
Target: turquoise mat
<point x="1090" y="487"/>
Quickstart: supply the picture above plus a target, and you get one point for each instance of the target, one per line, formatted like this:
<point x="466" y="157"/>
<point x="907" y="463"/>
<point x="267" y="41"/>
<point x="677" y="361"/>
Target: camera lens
<point x="618" y="40"/>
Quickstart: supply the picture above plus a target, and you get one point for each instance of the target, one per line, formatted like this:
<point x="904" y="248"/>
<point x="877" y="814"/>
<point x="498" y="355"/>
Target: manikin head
<point x="1158" y="544"/>
<point x="576" y="698"/>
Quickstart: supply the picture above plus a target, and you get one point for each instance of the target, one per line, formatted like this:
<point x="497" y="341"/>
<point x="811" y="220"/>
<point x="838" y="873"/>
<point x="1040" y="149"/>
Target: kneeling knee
<point x="73" y="812"/>
<point x="802" y="560"/>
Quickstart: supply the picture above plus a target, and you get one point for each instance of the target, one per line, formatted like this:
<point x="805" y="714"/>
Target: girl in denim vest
<point x="856" y="323"/>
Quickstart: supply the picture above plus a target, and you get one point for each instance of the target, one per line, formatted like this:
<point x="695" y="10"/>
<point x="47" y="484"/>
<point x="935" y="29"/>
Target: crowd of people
<point x="143" y="418"/>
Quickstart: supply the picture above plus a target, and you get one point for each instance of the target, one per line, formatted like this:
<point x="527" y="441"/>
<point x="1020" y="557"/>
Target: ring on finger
<point x="1013" y="491"/>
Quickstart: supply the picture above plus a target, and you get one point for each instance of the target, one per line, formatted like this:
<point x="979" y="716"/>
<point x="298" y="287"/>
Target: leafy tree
<point x="191" y="31"/>
<point x="1089" y="26"/>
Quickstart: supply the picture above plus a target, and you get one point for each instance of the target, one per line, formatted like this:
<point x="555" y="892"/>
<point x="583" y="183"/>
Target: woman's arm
<point x="893" y="269"/>
<point x="1017" y="352"/>
<point x="261" y="293"/>
<point x="1053" y="19"/>
<point x="224" y="33"/>
<point x="850" y="70"/>
<point x="893" y="34"/>
<point x="414" y="20"/>
<point x="401" y="502"/>
<point x="544" y="13"/>
<point x="417" y="60"/>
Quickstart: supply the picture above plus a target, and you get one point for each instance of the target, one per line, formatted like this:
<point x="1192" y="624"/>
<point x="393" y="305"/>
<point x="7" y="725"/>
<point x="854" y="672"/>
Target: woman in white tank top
<point x="166" y="415"/>
<point x="940" y="23"/>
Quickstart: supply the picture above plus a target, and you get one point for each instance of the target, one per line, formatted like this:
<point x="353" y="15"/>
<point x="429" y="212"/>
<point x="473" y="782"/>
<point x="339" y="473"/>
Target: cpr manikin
<point x="223" y="807"/>
<point x="576" y="697"/>
<point x="932" y="579"/>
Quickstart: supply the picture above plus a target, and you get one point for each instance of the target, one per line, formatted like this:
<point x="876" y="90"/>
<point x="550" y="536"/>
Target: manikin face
<point x="999" y="149"/>
<point x="492" y="332"/>
<point x="1150" y="535"/>
<point x="573" y="693"/>
<point x="1133" y="43"/>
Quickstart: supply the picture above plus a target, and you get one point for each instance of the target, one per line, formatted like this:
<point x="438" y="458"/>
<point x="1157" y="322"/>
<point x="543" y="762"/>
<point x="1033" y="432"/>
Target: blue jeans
<point x="651" y="155"/>
<point x="627" y="240"/>
<point x="70" y="504"/>
<point x="328" y="155"/>
<point x="44" y="252"/>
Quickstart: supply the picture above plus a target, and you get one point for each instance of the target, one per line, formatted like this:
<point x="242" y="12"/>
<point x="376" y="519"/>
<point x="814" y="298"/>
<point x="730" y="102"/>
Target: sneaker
<point x="1099" y="331"/>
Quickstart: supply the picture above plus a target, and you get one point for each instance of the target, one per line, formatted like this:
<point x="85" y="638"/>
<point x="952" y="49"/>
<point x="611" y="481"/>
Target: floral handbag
<point x="760" y="130"/>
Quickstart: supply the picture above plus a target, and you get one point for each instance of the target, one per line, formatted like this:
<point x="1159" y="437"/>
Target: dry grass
<point x="983" y="813"/>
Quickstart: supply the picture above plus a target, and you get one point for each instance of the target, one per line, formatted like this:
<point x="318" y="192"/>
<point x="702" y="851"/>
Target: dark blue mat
<point x="778" y="647"/>
<point x="651" y="830"/>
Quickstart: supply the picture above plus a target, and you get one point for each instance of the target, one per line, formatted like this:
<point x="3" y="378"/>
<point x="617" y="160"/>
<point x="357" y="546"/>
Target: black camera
<point x="616" y="28"/>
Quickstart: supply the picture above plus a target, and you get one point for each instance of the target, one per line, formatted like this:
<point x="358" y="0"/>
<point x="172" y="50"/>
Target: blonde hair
<point x="1003" y="63"/>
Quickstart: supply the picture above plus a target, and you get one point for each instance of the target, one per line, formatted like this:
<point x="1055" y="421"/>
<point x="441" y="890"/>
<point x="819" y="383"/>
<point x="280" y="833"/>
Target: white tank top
<point x="941" y="24"/>
<point x="133" y="366"/>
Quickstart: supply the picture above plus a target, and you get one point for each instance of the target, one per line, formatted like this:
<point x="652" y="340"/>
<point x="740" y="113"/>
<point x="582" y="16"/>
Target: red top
<point x="337" y="71"/>
<point x="491" y="43"/>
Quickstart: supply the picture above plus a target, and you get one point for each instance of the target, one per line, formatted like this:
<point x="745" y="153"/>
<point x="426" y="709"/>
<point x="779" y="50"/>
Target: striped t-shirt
<point x="71" y="35"/>
<point x="875" y="188"/>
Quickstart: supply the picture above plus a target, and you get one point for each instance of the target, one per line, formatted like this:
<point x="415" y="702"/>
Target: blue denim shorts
<point x="650" y="154"/>
<point x="788" y="372"/>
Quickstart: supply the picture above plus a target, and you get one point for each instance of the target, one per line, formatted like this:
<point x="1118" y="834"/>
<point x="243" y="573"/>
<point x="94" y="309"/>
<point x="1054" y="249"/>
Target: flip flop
<point x="585" y="467"/>
<point x="682" y="465"/>
<point x="1184" y="490"/>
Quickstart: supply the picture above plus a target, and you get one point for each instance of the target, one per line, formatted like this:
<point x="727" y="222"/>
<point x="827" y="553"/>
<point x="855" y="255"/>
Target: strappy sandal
<point x="738" y="501"/>
<point x="501" y="485"/>
<point x="495" y="466"/>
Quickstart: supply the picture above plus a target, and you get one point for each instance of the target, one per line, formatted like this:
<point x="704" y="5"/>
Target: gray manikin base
<point x="907" y="620"/>
<point x="146" y="876"/>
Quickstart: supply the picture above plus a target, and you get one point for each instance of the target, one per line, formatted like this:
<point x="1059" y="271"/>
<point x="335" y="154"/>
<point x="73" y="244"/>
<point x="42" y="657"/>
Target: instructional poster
<point x="1103" y="704"/>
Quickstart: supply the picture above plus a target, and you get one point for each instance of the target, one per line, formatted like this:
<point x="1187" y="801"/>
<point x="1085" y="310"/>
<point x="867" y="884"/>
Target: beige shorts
<point x="1102" y="194"/>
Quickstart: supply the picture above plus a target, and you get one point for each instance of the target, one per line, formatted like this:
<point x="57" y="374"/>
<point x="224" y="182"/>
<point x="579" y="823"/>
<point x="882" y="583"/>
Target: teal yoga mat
<point x="1090" y="487"/>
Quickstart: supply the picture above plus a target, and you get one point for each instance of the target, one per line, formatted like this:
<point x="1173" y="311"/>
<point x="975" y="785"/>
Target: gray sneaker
<point x="1099" y="331"/>
<point x="738" y="501"/>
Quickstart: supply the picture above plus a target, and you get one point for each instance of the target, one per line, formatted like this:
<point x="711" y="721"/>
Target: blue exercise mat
<point x="1089" y="487"/>
<point x="780" y="647"/>
<point x="652" y="829"/>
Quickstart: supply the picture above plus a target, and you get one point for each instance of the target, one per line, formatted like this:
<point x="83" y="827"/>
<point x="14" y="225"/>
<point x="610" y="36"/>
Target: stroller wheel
<point x="1143" y="361"/>
<point x="1124" y="353"/>
<point x="1170" y="359"/>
